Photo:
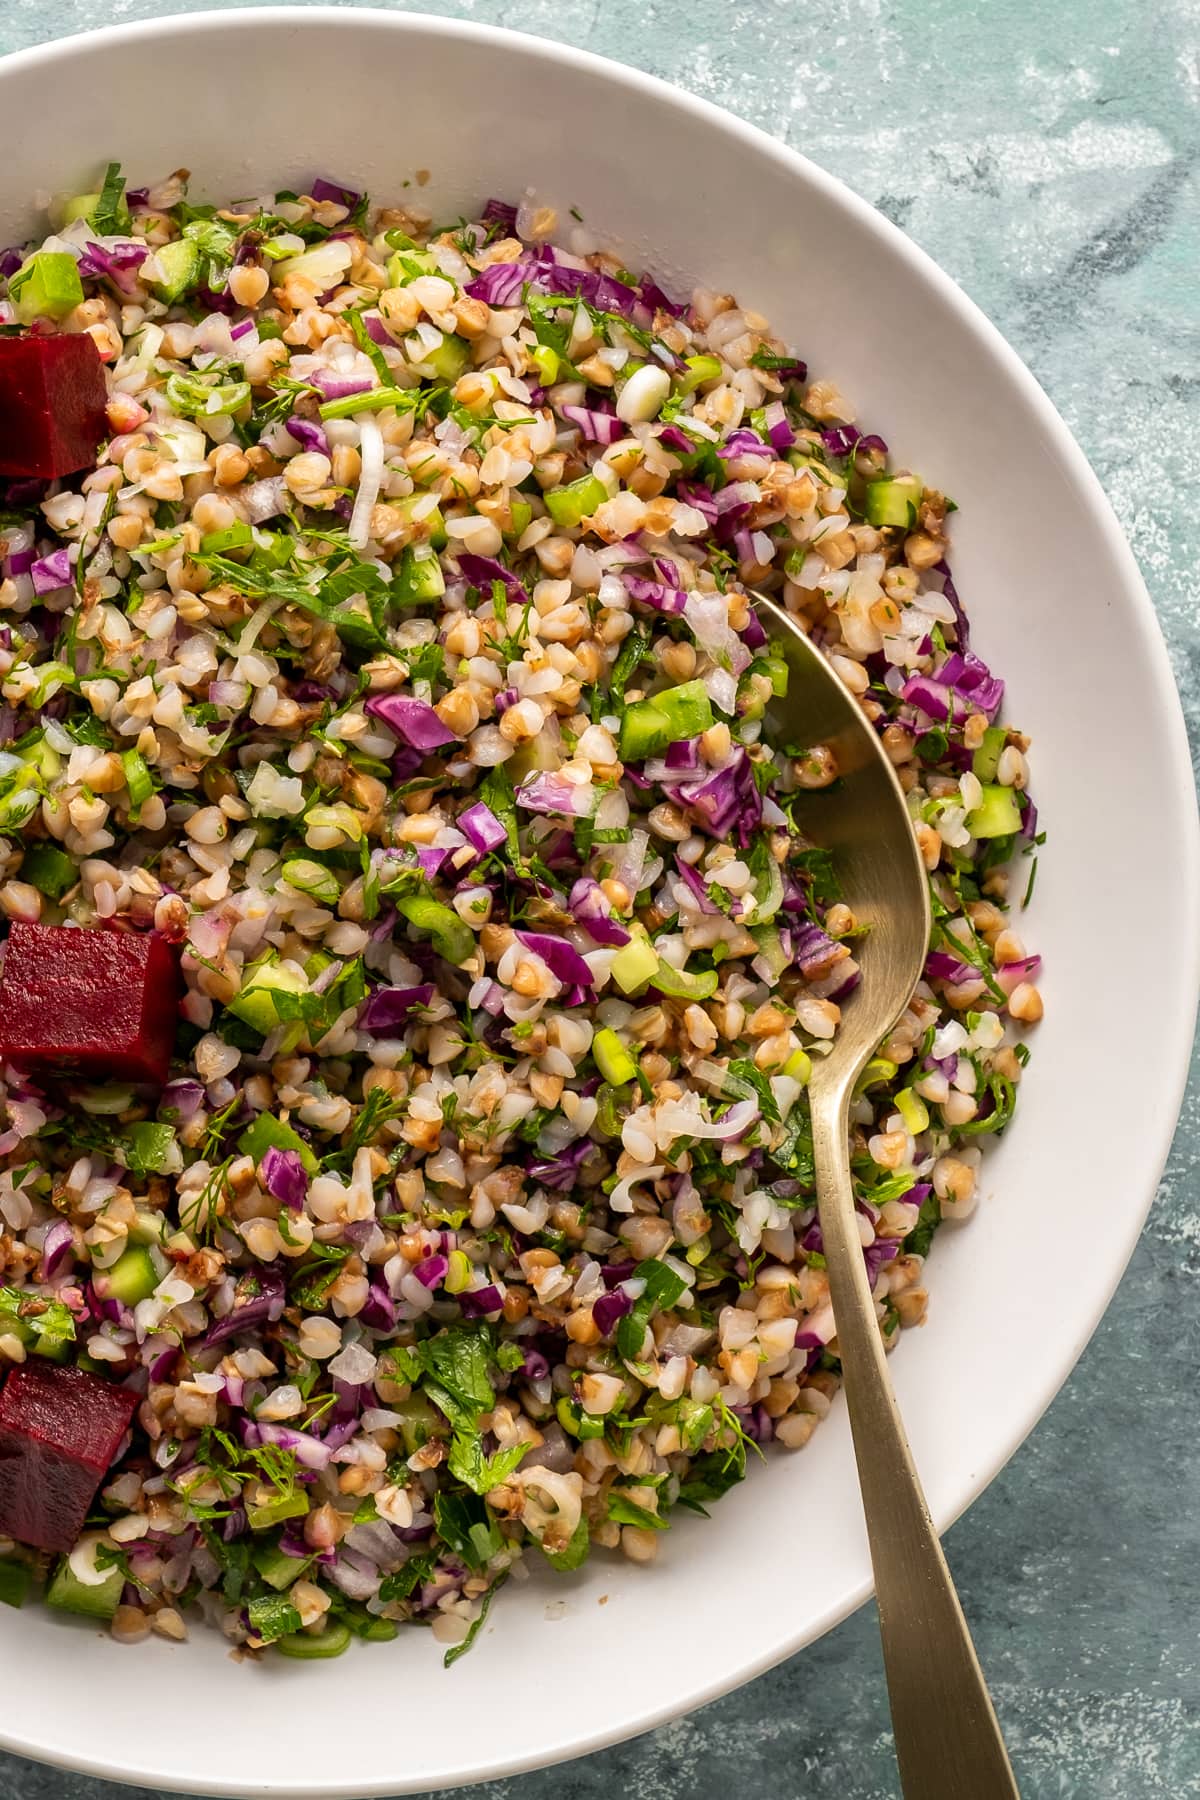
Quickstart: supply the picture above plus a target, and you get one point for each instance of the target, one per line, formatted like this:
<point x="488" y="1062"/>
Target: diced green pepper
<point x="986" y="759"/>
<point x="138" y="782"/>
<point x="997" y="815"/>
<point x="15" y="1580"/>
<point x="46" y="286"/>
<point x="313" y="879"/>
<point x="266" y="1132"/>
<point x="681" y="985"/>
<point x="545" y="361"/>
<point x="699" y="369"/>
<point x="192" y="398"/>
<point x="237" y="536"/>
<point x="613" y="1059"/>
<point x="451" y="938"/>
<point x="574" y="1420"/>
<point x="880" y="1068"/>
<point x="577" y="501"/>
<point x="913" y="1111"/>
<point x="894" y="501"/>
<point x="332" y="1641"/>
<point x="49" y="869"/>
<point x="635" y="964"/>
<point x="262" y="1514"/>
<point x="522" y="513"/>
<point x="648" y="726"/>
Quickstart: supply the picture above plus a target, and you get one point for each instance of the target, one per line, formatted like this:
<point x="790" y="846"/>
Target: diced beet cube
<point x="52" y="400"/>
<point x="60" y="1430"/>
<point x="89" y="1002"/>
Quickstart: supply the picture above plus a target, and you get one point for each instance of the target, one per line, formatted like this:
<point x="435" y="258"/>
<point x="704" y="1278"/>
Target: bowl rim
<point x="1178" y="801"/>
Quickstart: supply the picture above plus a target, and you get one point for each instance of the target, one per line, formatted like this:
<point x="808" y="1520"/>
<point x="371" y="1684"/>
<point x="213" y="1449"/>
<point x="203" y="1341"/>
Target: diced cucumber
<point x="133" y="1277"/>
<point x="276" y="1567"/>
<point x="578" y="500"/>
<point x="46" y="286"/>
<point x="69" y="1594"/>
<point x="420" y="577"/>
<point x="332" y="1641"/>
<point x="179" y="266"/>
<point x="49" y="869"/>
<point x="42" y="756"/>
<point x="894" y="501"/>
<point x="634" y="965"/>
<point x="253" y="1003"/>
<point x="986" y="759"/>
<point x="997" y="815"/>
<point x="448" y="361"/>
<point x="404" y="266"/>
<point x="269" y="1133"/>
<point x="83" y="206"/>
<point x="648" y="726"/>
<point x="613" y="1059"/>
<point x="431" y="524"/>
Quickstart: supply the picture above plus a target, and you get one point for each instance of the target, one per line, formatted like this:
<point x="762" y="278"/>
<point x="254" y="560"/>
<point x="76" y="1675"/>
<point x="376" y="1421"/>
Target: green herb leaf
<point x="663" y="1288"/>
<point x="273" y="1616"/>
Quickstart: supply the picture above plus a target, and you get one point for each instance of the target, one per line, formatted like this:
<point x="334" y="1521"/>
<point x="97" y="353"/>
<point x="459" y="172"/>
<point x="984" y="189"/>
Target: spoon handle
<point x="948" y="1740"/>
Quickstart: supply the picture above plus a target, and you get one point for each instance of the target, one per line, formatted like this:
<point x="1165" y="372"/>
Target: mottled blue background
<point x="1046" y="155"/>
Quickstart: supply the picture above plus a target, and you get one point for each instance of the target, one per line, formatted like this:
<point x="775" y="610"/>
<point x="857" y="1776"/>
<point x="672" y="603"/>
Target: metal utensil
<point x="948" y="1740"/>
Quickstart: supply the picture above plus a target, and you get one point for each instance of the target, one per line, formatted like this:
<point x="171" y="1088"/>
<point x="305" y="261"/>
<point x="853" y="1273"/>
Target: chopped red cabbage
<point x="412" y="720"/>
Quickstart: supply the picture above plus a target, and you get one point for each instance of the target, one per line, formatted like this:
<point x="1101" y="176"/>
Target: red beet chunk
<point x="60" y="1430"/>
<point x="94" y="1003"/>
<point x="52" y="399"/>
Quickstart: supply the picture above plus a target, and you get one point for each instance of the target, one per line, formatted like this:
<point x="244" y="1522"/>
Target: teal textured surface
<point x="1049" y="159"/>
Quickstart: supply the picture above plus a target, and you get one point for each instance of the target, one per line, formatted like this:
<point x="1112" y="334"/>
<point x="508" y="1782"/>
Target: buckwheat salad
<point x="391" y="666"/>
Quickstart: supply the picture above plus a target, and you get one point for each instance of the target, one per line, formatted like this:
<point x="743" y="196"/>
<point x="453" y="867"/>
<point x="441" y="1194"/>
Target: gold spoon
<point x="948" y="1740"/>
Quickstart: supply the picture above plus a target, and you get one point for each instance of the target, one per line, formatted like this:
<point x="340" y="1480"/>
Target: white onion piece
<point x="369" y="481"/>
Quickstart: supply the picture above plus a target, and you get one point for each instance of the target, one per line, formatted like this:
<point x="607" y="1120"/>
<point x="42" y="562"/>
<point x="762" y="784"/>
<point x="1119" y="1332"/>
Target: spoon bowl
<point x="863" y="820"/>
<point x="948" y="1739"/>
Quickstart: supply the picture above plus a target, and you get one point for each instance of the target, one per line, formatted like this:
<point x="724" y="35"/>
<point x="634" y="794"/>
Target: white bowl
<point x="254" y="100"/>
